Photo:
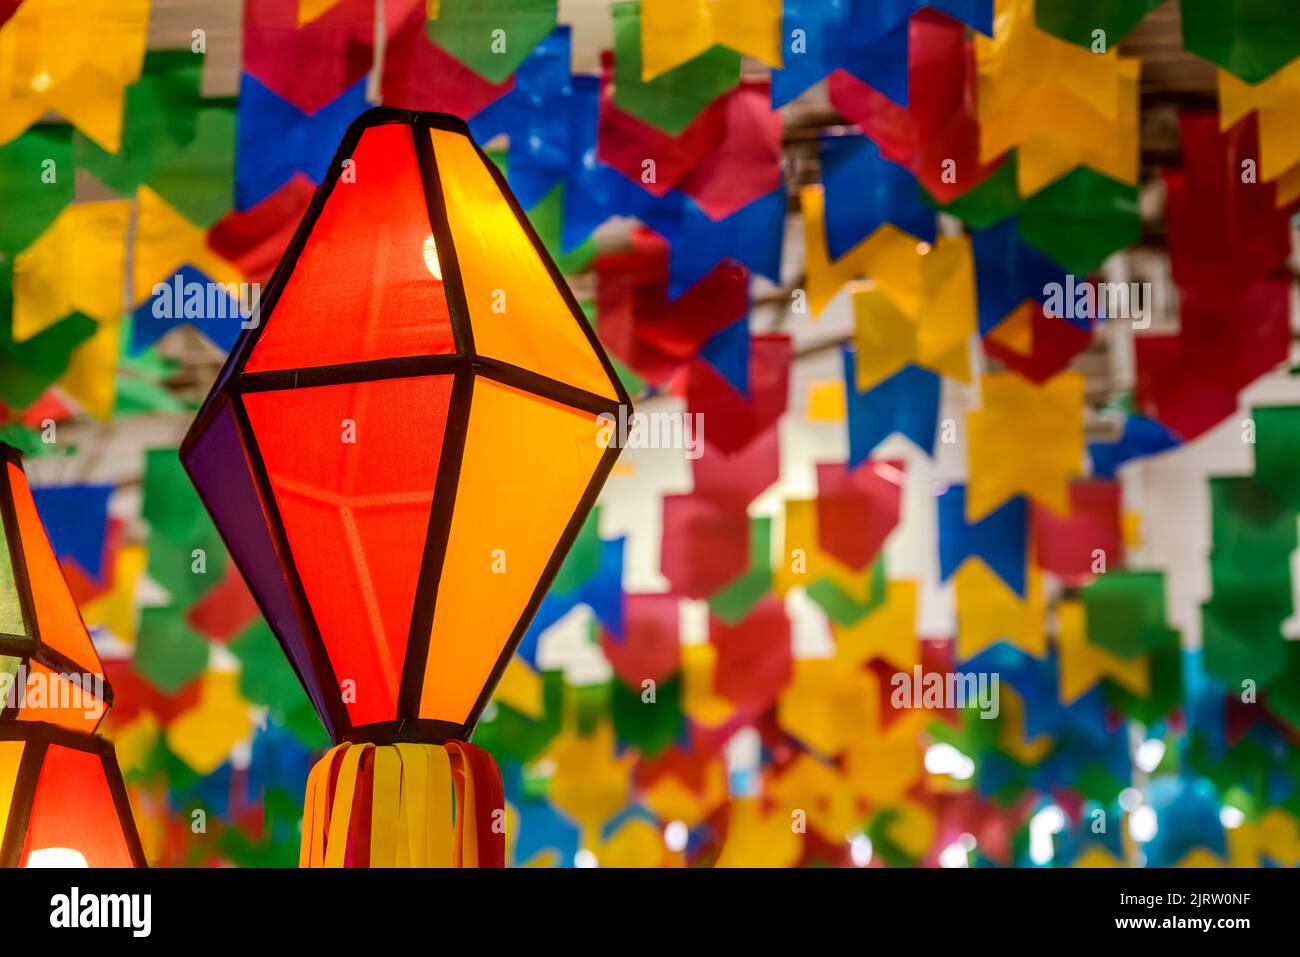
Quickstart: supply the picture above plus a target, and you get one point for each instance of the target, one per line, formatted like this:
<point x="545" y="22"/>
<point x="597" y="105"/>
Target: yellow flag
<point x="884" y="335"/>
<point x="1013" y="738"/>
<point x="1275" y="101"/>
<point x="990" y="611"/>
<point x="818" y="790"/>
<point x="883" y="768"/>
<point x="91" y="376"/>
<point x="164" y="241"/>
<point x="638" y="843"/>
<point x="829" y="706"/>
<point x="135" y="741"/>
<point x="76" y="265"/>
<point x="919" y="309"/>
<point x="521" y="688"/>
<point x="115" y="609"/>
<point x="827" y="401"/>
<point x="204" y="736"/>
<point x="1061" y="105"/>
<point x="1288" y="186"/>
<point x="879" y="254"/>
<point x="72" y="57"/>
<point x="887" y="633"/>
<point x="758" y="837"/>
<point x="700" y="702"/>
<point x="1024" y="439"/>
<point x="675" y="31"/>
<point x="1274" y="833"/>
<point x="590" y="783"/>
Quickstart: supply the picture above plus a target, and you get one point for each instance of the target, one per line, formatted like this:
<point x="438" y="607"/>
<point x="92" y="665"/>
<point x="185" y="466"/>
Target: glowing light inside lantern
<point x="431" y="259"/>
<point x="56" y="857"/>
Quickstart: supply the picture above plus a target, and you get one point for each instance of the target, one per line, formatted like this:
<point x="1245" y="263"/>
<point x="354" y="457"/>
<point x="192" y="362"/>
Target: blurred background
<point x="853" y="243"/>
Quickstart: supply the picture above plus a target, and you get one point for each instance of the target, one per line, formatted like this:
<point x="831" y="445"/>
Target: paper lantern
<point x="62" y="800"/>
<point x="398" y="456"/>
<point x="49" y="669"/>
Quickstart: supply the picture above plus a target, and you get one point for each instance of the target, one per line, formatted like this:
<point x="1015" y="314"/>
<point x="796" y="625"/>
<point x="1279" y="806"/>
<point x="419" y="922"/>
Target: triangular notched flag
<point x="752" y="236"/>
<point x="277" y="140"/>
<point x="1139" y="438"/>
<point x="907" y="403"/>
<point x="999" y="539"/>
<point x="76" y="519"/>
<point x="864" y="191"/>
<point x="728" y="353"/>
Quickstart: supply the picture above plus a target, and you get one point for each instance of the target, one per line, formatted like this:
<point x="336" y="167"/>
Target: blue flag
<point x="187" y="298"/>
<point x="864" y="191"/>
<point x="907" y="402"/>
<point x="999" y="538"/>
<point x="277" y="140"/>
<point x="76" y="519"/>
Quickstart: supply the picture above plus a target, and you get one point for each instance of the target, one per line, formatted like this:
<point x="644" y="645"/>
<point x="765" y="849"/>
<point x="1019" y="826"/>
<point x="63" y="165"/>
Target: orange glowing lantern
<point x="62" y="800"/>
<point x="398" y="456"/>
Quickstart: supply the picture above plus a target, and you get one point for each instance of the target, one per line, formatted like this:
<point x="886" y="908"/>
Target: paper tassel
<point x="404" y="805"/>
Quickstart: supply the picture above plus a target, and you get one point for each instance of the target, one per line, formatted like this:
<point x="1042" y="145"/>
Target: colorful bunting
<point x="277" y="141"/>
<point x="867" y="39"/>
<point x="724" y="646"/>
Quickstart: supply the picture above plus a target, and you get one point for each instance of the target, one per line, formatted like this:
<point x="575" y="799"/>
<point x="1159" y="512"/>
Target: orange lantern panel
<point x="49" y="669"/>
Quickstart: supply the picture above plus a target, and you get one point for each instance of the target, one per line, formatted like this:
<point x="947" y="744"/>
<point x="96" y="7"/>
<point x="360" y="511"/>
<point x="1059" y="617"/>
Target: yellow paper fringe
<point x="417" y="791"/>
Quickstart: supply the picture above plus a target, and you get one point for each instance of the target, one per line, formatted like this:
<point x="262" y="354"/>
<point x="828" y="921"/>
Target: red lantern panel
<point x="63" y="801"/>
<point x="363" y="288"/>
<point x="353" y="468"/>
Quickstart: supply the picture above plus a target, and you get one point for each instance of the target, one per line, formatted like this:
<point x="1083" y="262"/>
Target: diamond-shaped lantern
<point x="62" y="799"/>
<point x="400" y="453"/>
